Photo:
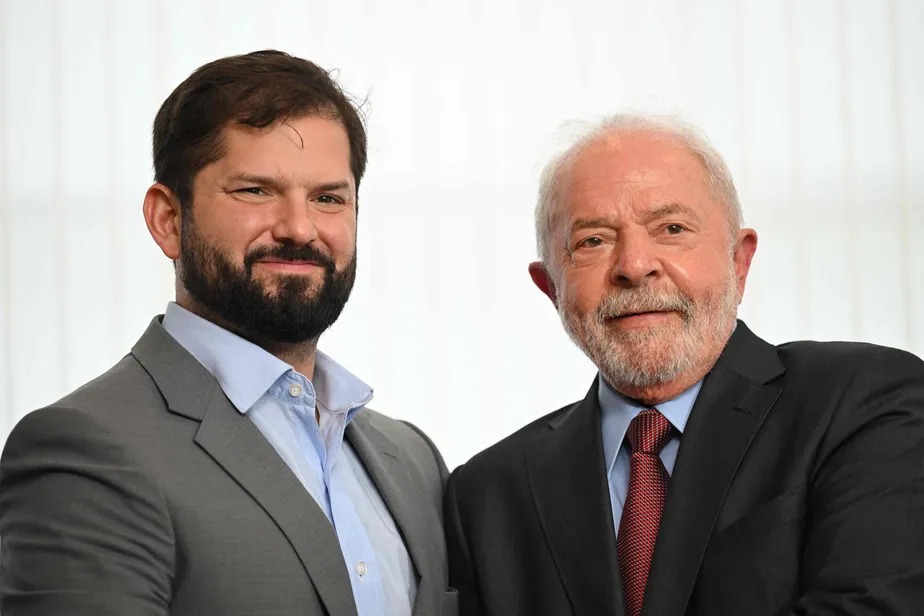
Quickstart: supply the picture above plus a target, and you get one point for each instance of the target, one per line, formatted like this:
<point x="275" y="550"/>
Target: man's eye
<point x="590" y="242"/>
<point x="675" y="229"/>
<point x="252" y="190"/>
<point x="330" y="199"/>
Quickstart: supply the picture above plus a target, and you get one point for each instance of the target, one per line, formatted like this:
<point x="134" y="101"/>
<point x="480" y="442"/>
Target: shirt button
<point x="295" y="390"/>
<point x="361" y="568"/>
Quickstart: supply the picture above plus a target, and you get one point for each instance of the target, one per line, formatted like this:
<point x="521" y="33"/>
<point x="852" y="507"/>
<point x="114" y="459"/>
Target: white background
<point x="817" y="105"/>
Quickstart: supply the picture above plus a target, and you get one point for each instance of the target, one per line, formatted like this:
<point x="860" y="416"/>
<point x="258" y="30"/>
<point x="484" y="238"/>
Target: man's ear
<point x="162" y="215"/>
<point x="745" y="246"/>
<point x="543" y="280"/>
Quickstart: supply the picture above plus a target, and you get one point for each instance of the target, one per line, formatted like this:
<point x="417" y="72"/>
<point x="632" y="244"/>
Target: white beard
<point x="656" y="355"/>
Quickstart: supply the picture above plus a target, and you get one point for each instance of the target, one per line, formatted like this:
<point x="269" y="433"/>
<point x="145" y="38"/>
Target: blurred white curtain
<point x="815" y="103"/>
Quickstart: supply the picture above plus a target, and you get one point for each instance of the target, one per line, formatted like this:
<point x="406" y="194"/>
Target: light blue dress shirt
<point x="282" y="404"/>
<point x="617" y="413"/>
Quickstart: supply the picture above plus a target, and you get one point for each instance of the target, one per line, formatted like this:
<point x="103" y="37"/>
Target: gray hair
<point x="721" y="186"/>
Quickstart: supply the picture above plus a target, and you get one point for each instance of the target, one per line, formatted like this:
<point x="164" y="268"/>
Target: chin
<point x="649" y="364"/>
<point x="666" y="329"/>
<point x="655" y="341"/>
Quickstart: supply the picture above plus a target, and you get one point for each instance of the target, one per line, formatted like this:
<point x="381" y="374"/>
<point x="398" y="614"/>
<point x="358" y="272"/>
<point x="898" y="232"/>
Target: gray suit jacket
<point x="145" y="492"/>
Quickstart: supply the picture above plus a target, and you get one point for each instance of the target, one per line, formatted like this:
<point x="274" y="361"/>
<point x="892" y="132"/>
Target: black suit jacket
<point x="798" y="489"/>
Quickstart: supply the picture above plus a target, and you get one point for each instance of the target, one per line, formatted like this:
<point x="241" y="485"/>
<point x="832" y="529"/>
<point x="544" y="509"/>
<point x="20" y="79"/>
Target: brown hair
<point x="255" y="89"/>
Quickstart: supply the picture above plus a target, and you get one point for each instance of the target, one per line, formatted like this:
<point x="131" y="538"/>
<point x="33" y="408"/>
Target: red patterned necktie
<point x="641" y="515"/>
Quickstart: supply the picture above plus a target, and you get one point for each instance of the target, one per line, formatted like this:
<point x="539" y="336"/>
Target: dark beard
<point x="299" y="310"/>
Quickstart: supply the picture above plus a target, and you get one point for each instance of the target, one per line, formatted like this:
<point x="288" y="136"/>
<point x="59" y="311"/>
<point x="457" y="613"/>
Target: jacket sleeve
<point x="85" y="531"/>
<point x="462" y="575"/>
<point x="864" y="536"/>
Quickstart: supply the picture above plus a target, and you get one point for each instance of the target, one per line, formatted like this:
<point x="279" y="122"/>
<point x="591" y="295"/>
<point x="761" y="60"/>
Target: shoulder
<point x="844" y="356"/>
<point x="850" y="365"/>
<point x="81" y="447"/>
<point x="115" y="394"/>
<point x="60" y="435"/>
<point x="815" y="365"/>
<point x="406" y="435"/>
<point x="119" y="415"/>
<point x="506" y="458"/>
<point x="861" y="401"/>
<point x="96" y="412"/>
<point x="108" y="398"/>
<point x="414" y="445"/>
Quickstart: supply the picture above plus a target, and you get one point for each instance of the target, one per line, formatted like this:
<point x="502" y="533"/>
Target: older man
<point x="706" y="471"/>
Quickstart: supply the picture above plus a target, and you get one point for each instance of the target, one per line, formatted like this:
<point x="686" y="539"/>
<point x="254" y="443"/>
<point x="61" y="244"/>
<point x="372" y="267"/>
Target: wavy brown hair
<point x="254" y="89"/>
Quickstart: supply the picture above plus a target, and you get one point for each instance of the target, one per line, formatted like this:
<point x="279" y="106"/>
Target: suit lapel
<point x="382" y="460"/>
<point x="567" y="476"/>
<point x="242" y="451"/>
<point x="735" y="398"/>
<point x="237" y="445"/>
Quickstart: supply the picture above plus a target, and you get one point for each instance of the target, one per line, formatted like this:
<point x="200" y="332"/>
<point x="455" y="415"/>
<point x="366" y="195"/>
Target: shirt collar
<point x="337" y="389"/>
<point x="617" y="412"/>
<point x="245" y="372"/>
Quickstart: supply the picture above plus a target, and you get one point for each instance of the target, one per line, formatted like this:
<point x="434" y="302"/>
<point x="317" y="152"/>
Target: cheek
<point x="700" y="275"/>
<point x="339" y="234"/>
<point x="683" y="274"/>
<point x="233" y="232"/>
<point x="583" y="291"/>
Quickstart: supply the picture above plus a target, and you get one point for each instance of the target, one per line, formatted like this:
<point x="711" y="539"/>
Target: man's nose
<point x="636" y="260"/>
<point x="295" y="223"/>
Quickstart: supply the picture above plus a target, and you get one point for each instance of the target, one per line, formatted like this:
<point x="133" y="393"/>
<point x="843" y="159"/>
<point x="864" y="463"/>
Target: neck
<point x="300" y="355"/>
<point x="657" y="393"/>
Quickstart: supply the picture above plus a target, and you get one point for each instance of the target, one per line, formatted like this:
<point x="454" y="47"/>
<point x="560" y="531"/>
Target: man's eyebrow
<point x="584" y="223"/>
<point x="333" y="186"/>
<point x="661" y="211"/>
<point x="273" y="182"/>
<point x="669" y="209"/>
<point x="262" y="180"/>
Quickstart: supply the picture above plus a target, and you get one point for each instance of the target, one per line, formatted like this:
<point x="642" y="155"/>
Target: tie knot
<point x="649" y="432"/>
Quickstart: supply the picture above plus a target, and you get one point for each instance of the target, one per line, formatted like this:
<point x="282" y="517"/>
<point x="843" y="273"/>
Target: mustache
<point x="290" y="252"/>
<point x="644" y="299"/>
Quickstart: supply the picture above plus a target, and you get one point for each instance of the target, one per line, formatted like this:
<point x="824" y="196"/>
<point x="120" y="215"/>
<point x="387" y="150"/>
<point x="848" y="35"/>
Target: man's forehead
<point x="321" y="144"/>
<point x="607" y="211"/>
<point x="612" y="165"/>
<point x="634" y="158"/>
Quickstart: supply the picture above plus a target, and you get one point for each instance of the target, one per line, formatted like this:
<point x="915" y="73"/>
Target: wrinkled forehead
<point x="628" y="171"/>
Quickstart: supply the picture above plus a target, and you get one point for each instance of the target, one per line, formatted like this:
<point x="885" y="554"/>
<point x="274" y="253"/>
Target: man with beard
<point x="225" y="465"/>
<point x="706" y="472"/>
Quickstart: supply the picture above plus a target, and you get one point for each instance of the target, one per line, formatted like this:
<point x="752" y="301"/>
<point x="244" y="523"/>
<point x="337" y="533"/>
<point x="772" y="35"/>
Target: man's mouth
<point x="290" y="265"/>
<point x="639" y="318"/>
<point x="635" y="313"/>
<point x="293" y="261"/>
